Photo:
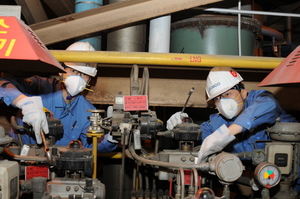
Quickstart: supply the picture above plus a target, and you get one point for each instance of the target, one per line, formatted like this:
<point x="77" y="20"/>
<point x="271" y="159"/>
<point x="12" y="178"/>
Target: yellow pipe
<point x="95" y="137"/>
<point x="94" y="151"/>
<point x="167" y="59"/>
<point x="114" y="155"/>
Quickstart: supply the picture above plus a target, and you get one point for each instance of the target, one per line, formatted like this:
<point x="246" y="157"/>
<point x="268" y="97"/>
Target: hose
<point x="182" y="182"/>
<point x="202" y="166"/>
<point x="134" y="83"/>
<point x="196" y="179"/>
<point x="144" y="90"/>
<point x="26" y="158"/>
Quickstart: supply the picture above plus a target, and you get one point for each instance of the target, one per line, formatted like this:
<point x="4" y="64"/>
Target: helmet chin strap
<point x="69" y="97"/>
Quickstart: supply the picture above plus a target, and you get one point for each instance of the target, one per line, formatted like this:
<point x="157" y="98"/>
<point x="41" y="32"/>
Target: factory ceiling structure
<point x="55" y="21"/>
<point x="57" y="25"/>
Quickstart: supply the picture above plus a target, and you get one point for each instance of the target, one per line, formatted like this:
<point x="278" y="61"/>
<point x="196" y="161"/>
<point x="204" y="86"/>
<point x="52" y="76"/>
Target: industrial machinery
<point x="47" y="171"/>
<point x="60" y="172"/>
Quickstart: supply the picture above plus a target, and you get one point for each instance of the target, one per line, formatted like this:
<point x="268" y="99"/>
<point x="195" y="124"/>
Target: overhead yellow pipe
<point x="167" y="59"/>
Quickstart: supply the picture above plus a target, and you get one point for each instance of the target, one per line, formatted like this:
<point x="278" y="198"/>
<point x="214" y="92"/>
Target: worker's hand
<point x="109" y="111"/>
<point x="33" y="114"/>
<point x="110" y="138"/>
<point x="215" y="143"/>
<point x="175" y="120"/>
<point x="105" y="146"/>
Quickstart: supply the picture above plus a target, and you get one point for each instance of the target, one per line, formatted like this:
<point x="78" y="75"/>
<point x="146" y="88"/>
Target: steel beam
<point x="173" y="92"/>
<point x="32" y="11"/>
<point x="61" y="7"/>
<point x="108" y="16"/>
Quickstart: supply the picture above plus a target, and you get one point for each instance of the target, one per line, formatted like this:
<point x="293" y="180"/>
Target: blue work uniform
<point x="74" y="116"/>
<point x="260" y="111"/>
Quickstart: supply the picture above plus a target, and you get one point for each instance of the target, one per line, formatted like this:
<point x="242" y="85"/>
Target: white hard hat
<point x="86" y="68"/>
<point x="220" y="80"/>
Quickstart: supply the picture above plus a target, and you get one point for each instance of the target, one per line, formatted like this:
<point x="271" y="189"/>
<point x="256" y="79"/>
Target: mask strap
<point x="88" y="89"/>
<point x="238" y="97"/>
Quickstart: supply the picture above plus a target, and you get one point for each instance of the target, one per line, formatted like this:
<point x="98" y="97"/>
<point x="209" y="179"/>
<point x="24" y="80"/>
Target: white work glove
<point x="110" y="138"/>
<point x="215" y="142"/>
<point x="33" y="114"/>
<point x="175" y="120"/>
<point x="109" y="111"/>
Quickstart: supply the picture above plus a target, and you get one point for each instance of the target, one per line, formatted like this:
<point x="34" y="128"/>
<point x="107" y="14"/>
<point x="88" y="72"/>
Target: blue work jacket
<point x="260" y="111"/>
<point x="74" y="116"/>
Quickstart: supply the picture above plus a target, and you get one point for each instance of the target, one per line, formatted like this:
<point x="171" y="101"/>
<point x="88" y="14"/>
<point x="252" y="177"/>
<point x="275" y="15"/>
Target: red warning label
<point x="135" y="103"/>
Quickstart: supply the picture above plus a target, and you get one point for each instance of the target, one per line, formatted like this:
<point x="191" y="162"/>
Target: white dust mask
<point x="228" y="107"/>
<point x="75" y="84"/>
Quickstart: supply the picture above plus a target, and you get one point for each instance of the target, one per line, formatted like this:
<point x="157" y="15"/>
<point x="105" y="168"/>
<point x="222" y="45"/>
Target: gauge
<point x="258" y="156"/>
<point x="267" y="174"/>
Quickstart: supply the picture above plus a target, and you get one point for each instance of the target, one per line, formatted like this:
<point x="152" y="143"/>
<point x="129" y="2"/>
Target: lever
<point x="187" y="100"/>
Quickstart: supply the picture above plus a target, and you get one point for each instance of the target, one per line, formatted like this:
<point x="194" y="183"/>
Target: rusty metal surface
<point x="61" y="7"/>
<point x="32" y="11"/>
<point x="109" y="16"/>
<point x="203" y="21"/>
<point x="173" y="92"/>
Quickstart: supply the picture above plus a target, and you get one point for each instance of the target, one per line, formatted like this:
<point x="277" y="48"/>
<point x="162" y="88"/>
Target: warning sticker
<point x="36" y="171"/>
<point x="135" y="103"/>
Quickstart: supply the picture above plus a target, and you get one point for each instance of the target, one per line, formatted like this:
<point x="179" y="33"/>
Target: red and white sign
<point x="36" y="171"/>
<point x="135" y="103"/>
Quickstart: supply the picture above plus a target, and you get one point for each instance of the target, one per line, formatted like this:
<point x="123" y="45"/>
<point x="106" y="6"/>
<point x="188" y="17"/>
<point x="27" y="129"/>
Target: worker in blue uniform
<point x="61" y="97"/>
<point x="243" y="116"/>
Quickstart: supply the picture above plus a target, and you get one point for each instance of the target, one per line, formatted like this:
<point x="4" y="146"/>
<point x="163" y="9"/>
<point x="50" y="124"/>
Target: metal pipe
<point x="159" y="34"/>
<point x="252" y="12"/>
<point x="94" y="151"/>
<point x="127" y="38"/>
<point x="167" y="59"/>
<point x="46" y="148"/>
<point x="81" y="5"/>
<point x="202" y="166"/>
<point x="272" y="33"/>
<point x="239" y="30"/>
<point x="194" y="171"/>
<point x="25" y="158"/>
<point x="122" y="170"/>
<point x="288" y="31"/>
<point x="191" y="190"/>
<point x="182" y="182"/>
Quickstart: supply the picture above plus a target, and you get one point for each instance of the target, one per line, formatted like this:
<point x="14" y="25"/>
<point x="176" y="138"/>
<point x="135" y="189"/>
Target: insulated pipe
<point x="159" y="35"/>
<point x="168" y="59"/>
<point x="82" y="5"/>
<point x="128" y="38"/>
<point x="272" y="33"/>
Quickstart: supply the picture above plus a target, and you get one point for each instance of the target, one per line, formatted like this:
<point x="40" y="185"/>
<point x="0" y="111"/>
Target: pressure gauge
<point x="267" y="174"/>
